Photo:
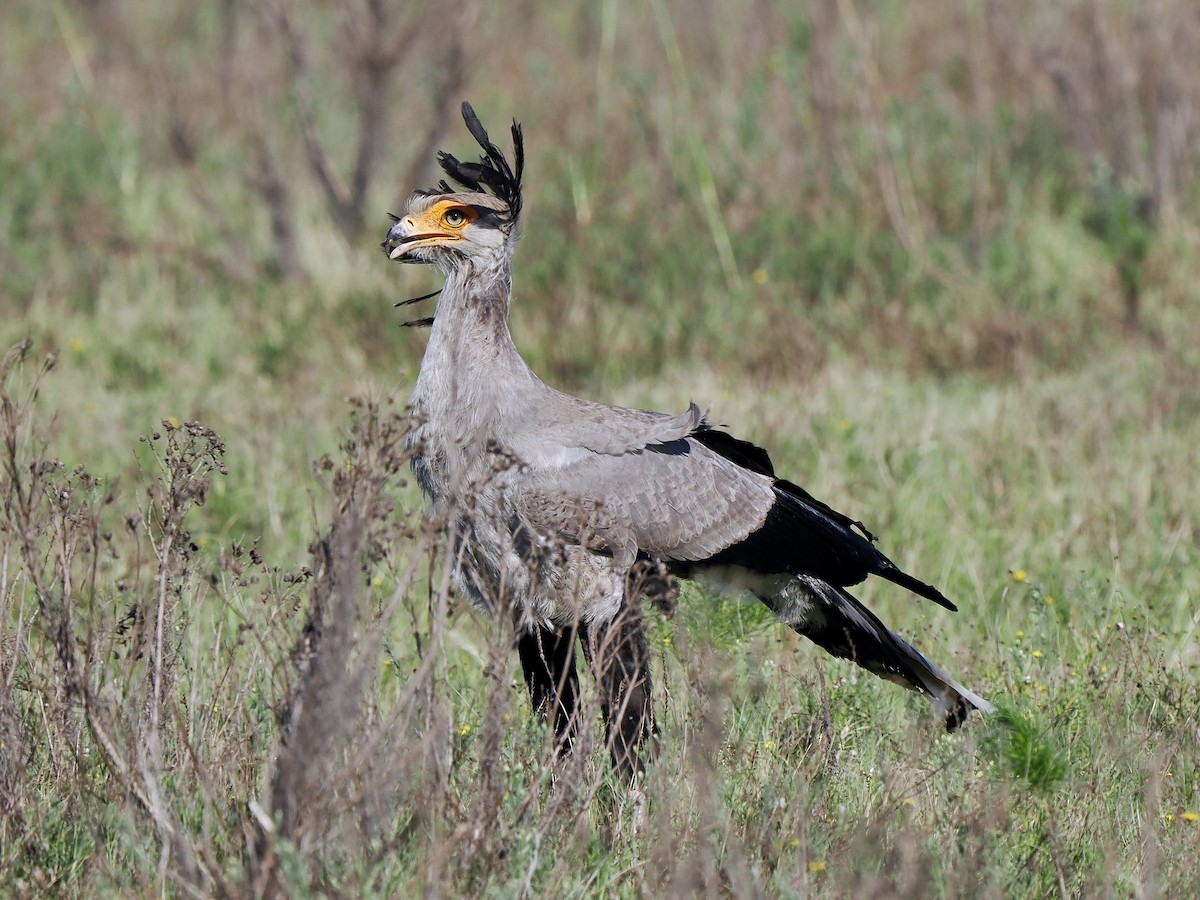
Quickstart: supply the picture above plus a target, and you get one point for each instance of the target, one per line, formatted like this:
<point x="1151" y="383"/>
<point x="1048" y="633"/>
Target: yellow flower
<point x="760" y="275"/>
<point x="464" y="730"/>
<point x="1169" y="818"/>
<point x="1190" y="816"/>
<point x="767" y="745"/>
<point x="1020" y="634"/>
<point x="666" y="641"/>
<point x="816" y="867"/>
<point x="1037" y="654"/>
<point x="1019" y="575"/>
<point x="76" y="345"/>
<point x="794" y="843"/>
<point x="376" y="581"/>
<point x="1049" y="599"/>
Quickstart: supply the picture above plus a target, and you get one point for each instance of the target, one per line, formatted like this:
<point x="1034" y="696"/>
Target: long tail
<point x="835" y="621"/>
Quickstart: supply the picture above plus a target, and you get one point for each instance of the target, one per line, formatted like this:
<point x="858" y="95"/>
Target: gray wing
<point x="612" y="430"/>
<point x="557" y="430"/>
<point x="675" y="500"/>
<point x="702" y="500"/>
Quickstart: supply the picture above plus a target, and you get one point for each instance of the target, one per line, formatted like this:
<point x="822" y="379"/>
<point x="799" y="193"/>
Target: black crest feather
<point x="493" y="171"/>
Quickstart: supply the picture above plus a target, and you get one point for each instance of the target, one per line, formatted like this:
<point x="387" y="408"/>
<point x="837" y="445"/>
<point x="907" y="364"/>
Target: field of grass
<point x="940" y="258"/>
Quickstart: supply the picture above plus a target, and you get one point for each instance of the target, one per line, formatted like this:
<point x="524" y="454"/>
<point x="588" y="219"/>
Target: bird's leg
<point x="548" y="661"/>
<point x="617" y="653"/>
<point x="653" y="580"/>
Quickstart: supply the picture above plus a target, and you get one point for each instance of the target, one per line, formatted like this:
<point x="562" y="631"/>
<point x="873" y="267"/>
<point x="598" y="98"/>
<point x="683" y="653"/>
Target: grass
<point x="230" y="662"/>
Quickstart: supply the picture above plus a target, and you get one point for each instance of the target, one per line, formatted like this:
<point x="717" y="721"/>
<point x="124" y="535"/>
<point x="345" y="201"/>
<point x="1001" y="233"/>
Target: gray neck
<point x="471" y="366"/>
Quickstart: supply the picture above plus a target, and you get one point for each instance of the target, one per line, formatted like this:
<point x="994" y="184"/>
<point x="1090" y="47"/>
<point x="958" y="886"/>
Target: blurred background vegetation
<point x="941" y="256"/>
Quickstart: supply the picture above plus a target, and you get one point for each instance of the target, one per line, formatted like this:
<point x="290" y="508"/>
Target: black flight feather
<point x="745" y="454"/>
<point x="789" y="487"/>
<point x="845" y="628"/>
<point x="802" y="535"/>
<point x="803" y="538"/>
<point x="756" y="459"/>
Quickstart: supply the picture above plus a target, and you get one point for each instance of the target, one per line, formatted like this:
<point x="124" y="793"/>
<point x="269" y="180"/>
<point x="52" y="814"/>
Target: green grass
<point x="229" y="661"/>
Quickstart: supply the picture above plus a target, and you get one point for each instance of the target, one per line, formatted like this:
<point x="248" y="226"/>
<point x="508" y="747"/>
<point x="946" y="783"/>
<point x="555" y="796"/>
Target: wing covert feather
<point x="676" y="500"/>
<point x="558" y="430"/>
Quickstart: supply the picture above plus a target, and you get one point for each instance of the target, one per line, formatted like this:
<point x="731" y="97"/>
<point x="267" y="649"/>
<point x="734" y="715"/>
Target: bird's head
<point x="447" y="228"/>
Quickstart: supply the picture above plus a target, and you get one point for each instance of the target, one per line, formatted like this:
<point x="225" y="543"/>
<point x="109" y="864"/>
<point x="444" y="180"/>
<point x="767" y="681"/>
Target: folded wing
<point x="699" y="498"/>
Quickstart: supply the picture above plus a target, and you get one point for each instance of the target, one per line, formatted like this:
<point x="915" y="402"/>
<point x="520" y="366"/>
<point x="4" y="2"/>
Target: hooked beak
<point x="403" y="237"/>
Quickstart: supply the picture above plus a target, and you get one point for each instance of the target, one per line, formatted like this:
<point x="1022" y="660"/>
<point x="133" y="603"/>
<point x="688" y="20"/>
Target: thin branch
<point x="374" y="57"/>
<point x="336" y="193"/>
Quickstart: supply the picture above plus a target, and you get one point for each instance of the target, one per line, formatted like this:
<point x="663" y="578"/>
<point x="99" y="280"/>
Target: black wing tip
<point x="796" y="492"/>
<point x="898" y="576"/>
<point x="941" y="600"/>
<point x="755" y="459"/>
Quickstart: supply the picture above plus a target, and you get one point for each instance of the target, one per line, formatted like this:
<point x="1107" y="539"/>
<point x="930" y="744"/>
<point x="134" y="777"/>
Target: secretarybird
<point x="564" y="513"/>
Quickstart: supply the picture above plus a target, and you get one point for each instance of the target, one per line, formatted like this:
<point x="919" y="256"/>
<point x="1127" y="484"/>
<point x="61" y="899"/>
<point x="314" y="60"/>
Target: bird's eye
<point x="454" y="217"/>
